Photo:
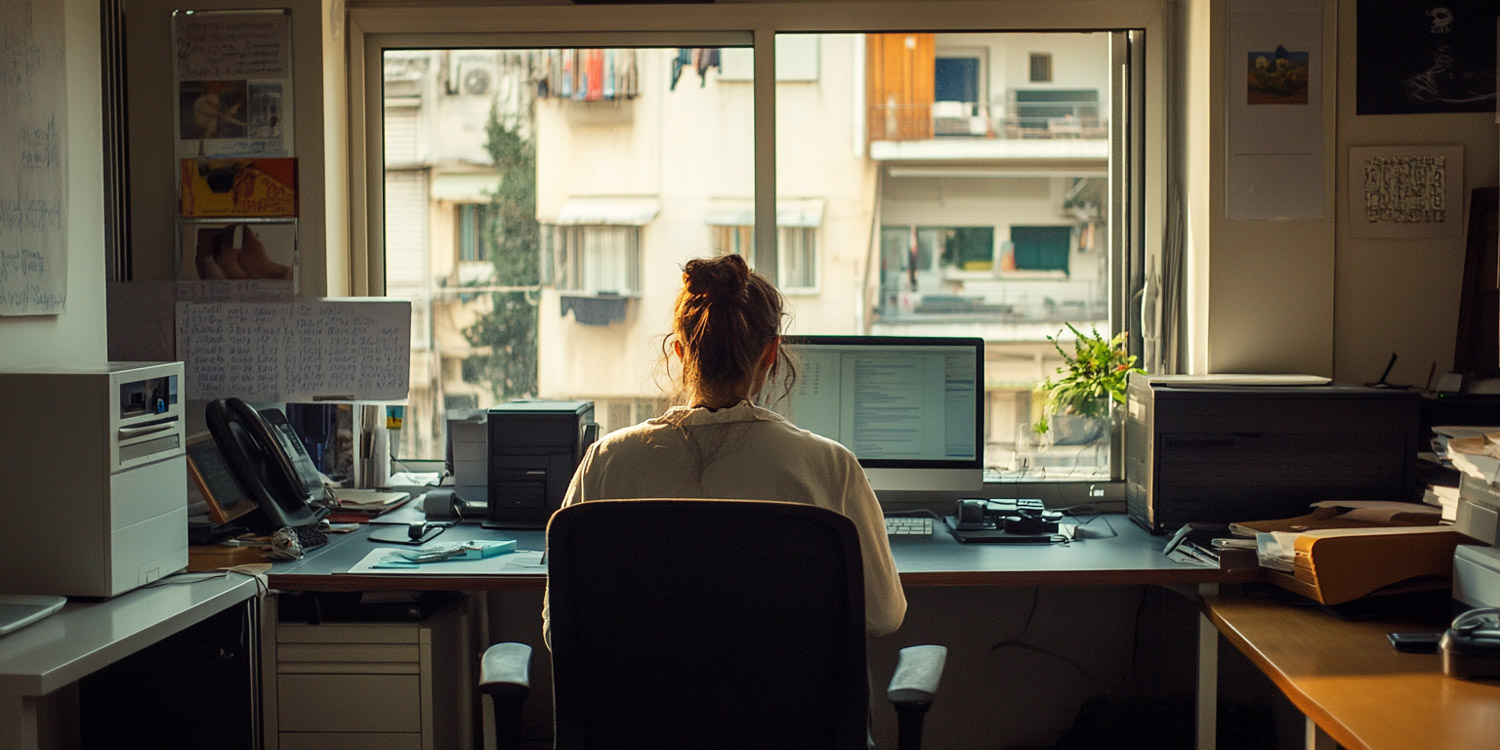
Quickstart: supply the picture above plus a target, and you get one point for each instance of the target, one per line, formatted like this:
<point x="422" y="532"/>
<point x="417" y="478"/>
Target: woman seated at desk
<point x="726" y="334"/>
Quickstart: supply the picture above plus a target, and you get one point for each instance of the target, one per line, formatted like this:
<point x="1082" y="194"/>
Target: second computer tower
<point x="534" y="447"/>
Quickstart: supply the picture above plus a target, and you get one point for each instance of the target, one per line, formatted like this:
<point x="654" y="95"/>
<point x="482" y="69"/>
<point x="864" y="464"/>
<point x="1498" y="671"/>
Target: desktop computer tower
<point x="95" y="462"/>
<point x="1228" y="453"/>
<point x="534" y="447"/>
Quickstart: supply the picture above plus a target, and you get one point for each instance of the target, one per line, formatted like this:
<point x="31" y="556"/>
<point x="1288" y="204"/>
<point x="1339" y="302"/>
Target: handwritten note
<point x="33" y="121"/>
<point x="224" y="47"/>
<point x="308" y="350"/>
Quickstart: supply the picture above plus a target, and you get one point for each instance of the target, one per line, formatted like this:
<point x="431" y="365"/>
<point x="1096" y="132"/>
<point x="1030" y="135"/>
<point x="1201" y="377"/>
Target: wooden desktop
<point x="1353" y="687"/>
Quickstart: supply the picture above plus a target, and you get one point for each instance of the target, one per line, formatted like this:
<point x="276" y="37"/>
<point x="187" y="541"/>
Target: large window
<point x="613" y="166"/>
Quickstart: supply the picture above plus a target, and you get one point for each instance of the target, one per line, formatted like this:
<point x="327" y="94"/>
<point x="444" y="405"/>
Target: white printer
<point x="94" y="460"/>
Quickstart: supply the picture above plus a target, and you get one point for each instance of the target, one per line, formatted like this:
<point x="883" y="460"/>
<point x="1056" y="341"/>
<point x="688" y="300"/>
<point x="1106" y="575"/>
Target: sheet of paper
<point x="514" y="562"/>
<point x="1463" y="430"/>
<point x="1276" y="550"/>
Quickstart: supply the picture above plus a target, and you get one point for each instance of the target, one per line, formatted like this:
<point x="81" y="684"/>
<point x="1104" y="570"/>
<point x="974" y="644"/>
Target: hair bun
<point x="714" y="276"/>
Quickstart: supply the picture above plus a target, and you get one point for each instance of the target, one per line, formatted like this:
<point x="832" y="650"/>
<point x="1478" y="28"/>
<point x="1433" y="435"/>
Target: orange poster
<point x="243" y="187"/>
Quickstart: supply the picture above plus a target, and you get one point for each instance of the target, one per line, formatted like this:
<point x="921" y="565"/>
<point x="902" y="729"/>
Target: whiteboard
<point x="33" y="199"/>
<point x="336" y="350"/>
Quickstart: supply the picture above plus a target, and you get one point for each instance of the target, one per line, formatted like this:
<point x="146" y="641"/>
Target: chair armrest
<point x="505" y="669"/>
<point x="918" y="671"/>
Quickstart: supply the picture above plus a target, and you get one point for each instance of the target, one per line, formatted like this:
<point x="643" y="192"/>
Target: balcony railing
<point x="918" y="122"/>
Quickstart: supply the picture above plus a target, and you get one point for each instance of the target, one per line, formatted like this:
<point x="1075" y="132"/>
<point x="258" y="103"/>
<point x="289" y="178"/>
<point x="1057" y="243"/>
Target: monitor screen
<point x="910" y="408"/>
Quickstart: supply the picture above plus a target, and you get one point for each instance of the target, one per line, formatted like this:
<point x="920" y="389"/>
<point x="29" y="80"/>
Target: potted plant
<point x="1077" y="406"/>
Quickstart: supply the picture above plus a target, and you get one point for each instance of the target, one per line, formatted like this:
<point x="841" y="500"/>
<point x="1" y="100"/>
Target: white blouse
<point x="745" y="452"/>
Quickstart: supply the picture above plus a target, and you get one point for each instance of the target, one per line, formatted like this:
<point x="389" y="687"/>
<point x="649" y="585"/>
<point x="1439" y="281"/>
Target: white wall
<point x="1399" y="296"/>
<point x="1303" y="296"/>
<point x="76" y="337"/>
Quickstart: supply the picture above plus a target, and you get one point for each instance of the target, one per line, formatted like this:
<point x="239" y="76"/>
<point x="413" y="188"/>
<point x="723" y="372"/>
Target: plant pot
<point x="1071" y="429"/>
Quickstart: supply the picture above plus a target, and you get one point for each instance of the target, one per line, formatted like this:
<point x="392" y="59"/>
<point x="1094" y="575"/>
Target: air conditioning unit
<point x="473" y="76"/>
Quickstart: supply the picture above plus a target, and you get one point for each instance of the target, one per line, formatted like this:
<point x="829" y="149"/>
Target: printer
<point x="1219" y="452"/>
<point x="96" y="457"/>
<point x="534" y="448"/>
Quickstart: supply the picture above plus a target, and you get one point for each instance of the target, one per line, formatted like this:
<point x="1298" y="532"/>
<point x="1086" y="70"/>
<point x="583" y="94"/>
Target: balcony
<point x="1049" y="126"/>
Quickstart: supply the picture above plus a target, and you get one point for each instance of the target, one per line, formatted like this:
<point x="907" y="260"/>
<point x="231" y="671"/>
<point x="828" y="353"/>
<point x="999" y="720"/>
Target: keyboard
<point x="908" y="525"/>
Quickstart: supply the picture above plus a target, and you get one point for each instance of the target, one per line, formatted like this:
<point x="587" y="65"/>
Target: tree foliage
<point x="507" y="336"/>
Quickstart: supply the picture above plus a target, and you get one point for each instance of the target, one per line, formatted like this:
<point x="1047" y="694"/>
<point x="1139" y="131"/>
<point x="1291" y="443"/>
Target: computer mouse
<point x="416" y="529"/>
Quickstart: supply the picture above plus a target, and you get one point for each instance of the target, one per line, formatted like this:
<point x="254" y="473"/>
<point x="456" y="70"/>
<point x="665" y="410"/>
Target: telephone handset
<point x="269" y="461"/>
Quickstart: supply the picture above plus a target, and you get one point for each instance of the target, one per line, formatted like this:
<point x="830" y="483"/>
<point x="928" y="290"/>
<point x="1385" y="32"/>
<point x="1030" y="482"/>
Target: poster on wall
<point x="239" y="186"/>
<point x="33" y="189"/>
<point x="230" y="261"/>
<point x="1421" y="57"/>
<point x="1274" y="111"/>
<point x="233" y="82"/>
<point x="1406" y="191"/>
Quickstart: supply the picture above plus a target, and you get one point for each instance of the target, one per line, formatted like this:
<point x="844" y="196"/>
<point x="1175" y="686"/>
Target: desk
<point x="89" y="635"/>
<point x="1351" y="685"/>
<point x="1132" y="558"/>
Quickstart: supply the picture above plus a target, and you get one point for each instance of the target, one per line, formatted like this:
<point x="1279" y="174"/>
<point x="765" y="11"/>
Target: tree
<point x="508" y="332"/>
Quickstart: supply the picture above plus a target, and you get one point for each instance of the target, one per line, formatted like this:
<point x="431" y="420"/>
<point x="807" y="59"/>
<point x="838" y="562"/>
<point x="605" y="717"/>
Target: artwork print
<point x="238" y="251"/>
<point x="1423" y="57"/>
<point x="212" y="109"/>
<point x="1277" y="76"/>
<point x="1405" y="191"/>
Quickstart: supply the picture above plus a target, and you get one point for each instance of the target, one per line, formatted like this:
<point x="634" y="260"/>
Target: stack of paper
<point x="1472" y="450"/>
<point x="1444" y="498"/>
<point x="1276" y="550"/>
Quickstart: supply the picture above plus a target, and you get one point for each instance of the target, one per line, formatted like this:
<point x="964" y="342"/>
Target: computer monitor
<point x="909" y="407"/>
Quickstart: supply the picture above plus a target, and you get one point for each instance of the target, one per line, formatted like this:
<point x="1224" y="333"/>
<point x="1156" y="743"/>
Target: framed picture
<point x="1417" y="57"/>
<point x="1406" y="191"/>
<point x="1477" y="351"/>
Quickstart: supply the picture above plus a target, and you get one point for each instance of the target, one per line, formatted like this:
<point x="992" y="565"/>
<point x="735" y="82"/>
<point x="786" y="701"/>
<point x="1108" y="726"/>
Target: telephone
<point x="270" y="463"/>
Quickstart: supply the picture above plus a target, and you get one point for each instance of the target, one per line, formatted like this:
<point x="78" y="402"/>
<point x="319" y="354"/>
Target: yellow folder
<point x="1334" y="566"/>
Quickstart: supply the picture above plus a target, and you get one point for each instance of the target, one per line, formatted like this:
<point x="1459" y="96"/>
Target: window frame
<point x="1138" y="163"/>
<point x="469" y="235"/>
<point x="582" y="246"/>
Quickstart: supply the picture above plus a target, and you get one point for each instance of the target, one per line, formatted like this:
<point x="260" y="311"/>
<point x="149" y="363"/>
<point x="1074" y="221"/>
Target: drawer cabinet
<point x="369" y="685"/>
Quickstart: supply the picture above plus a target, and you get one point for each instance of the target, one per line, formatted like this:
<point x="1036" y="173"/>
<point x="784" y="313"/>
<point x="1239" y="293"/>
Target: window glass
<point x="990" y="215"/>
<point x="925" y="185"/>
<point x="540" y="204"/>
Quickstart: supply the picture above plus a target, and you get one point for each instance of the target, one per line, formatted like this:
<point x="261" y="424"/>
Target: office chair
<point x="707" y="623"/>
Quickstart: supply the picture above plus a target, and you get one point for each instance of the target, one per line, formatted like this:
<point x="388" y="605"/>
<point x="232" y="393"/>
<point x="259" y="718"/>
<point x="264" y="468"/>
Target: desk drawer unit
<point x="370" y="685"/>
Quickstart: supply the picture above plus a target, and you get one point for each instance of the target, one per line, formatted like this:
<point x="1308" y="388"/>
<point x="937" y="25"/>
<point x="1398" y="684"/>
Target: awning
<point x="629" y="212"/>
<point x="804" y="212"/>
<point x="465" y="188"/>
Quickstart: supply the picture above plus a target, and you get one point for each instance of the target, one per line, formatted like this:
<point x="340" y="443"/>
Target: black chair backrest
<point x="706" y="623"/>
